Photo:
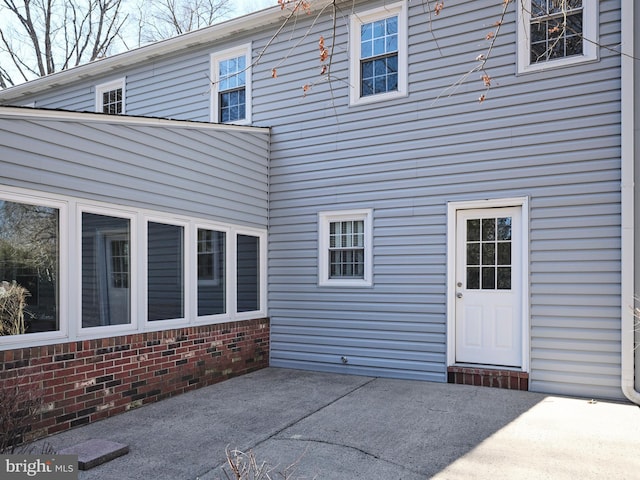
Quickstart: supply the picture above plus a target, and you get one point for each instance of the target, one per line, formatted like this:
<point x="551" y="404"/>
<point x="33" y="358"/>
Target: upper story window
<point x="345" y="257"/>
<point x="553" y="33"/>
<point x="378" y="52"/>
<point x="110" y="97"/>
<point x="231" y="86"/>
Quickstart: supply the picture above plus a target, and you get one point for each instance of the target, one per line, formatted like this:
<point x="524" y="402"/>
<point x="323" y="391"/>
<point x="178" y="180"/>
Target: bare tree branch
<point x="40" y="37"/>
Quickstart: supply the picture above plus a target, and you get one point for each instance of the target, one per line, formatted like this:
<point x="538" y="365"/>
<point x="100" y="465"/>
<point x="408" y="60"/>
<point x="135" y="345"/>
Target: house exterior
<point x="382" y="223"/>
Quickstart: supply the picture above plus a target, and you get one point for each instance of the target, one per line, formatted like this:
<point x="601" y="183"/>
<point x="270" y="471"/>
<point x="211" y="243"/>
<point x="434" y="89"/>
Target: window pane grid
<point x="379" y="56"/>
<point x="232" y="105"/>
<point x="112" y="101"/>
<point x="346" y="249"/>
<point x="488" y="253"/>
<point x="232" y="88"/>
<point x="555" y="33"/>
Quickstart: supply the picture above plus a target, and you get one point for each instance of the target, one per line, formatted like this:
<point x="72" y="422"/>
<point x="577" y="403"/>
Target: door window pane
<point x="248" y="273"/>
<point x="473" y="278"/>
<point x="488" y="229"/>
<point x="29" y="268"/>
<point x="473" y="230"/>
<point x="211" y="272"/>
<point x="488" y="278"/>
<point x="488" y="246"/>
<point x="165" y="271"/>
<point x="504" y="278"/>
<point x="106" y="295"/>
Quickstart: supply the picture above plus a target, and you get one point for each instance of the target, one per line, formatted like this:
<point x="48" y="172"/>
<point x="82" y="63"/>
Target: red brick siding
<point x="487" y="377"/>
<point x="84" y="381"/>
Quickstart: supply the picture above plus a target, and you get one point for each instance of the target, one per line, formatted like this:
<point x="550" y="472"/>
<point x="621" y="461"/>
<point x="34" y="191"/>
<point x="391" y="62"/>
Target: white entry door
<point x="488" y="286"/>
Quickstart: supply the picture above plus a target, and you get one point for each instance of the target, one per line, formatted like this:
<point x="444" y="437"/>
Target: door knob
<point x="459" y="294"/>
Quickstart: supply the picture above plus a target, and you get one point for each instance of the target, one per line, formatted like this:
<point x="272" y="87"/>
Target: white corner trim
<point x="627" y="206"/>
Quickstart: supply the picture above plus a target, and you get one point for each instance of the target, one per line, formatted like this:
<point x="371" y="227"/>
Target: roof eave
<point x="126" y="59"/>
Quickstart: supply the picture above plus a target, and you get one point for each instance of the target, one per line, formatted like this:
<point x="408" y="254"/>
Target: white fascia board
<point x="65" y="115"/>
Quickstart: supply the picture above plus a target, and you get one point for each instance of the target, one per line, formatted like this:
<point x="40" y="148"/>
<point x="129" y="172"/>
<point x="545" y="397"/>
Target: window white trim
<point x="232" y="296"/>
<point x="134" y="274"/>
<point x="193" y="294"/>
<point x="70" y="278"/>
<point x="356" y="20"/>
<point x="188" y="259"/>
<point x="589" y="42"/>
<point x="218" y="57"/>
<point x="324" y="221"/>
<point x="108" y="86"/>
<point x="64" y="295"/>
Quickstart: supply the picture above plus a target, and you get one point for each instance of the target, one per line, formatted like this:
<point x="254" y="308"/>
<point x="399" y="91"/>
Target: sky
<point x="238" y="7"/>
<point x="243" y="7"/>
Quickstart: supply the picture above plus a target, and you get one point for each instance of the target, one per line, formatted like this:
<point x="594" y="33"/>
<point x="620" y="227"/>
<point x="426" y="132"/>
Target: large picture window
<point x="165" y="271"/>
<point x="74" y="269"/>
<point x="29" y="268"/>
<point x="106" y="274"/>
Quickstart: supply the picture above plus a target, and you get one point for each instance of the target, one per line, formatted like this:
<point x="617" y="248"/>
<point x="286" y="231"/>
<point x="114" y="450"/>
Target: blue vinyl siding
<point x="204" y="171"/>
<point x="552" y="136"/>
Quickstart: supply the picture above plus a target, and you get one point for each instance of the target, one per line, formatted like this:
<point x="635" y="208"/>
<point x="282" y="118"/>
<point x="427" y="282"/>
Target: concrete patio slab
<point x="330" y="426"/>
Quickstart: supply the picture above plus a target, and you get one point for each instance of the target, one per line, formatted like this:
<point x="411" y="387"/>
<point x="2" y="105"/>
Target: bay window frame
<point x="63" y="294"/>
<point x="70" y="210"/>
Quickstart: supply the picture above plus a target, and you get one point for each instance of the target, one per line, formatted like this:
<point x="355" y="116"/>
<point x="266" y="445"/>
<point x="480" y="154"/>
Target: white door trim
<point x="452" y="210"/>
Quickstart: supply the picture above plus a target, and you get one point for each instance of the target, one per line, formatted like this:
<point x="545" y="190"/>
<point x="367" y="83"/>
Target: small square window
<point x="110" y="97"/>
<point x="231" y="74"/>
<point x="553" y="33"/>
<point x="378" y="54"/>
<point x="345" y="255"/>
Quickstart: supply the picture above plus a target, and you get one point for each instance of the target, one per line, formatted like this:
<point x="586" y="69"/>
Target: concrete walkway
<point x="332" y="426"/>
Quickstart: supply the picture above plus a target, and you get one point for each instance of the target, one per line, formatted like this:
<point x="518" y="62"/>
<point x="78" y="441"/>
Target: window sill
<point x="380" y="97"/>
<point x="346" y="283"/>
<point x="555" y="64"/>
